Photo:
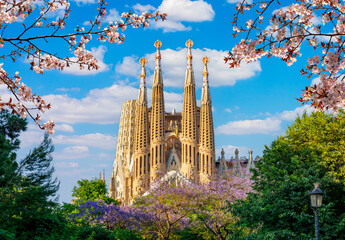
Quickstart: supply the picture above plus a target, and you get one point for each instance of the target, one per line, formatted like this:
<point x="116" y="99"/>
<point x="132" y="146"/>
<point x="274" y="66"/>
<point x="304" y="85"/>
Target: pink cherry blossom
<point x="40" y="59"/>
<point x="283" y="35"/>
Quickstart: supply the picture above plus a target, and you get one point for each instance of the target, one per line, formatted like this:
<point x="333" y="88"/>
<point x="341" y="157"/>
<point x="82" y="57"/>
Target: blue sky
<point x="252" y="105"/>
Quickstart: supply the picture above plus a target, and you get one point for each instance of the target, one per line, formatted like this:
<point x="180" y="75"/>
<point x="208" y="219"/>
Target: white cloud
<point x="72" y="152"/>
<point x="98" y="140"/>
<point x="186" y="10"/>
<point x="228" y="110"/>
<point x="257" y="126"/>
<point x="100" y="106"/>
<point x="291" y="115"/>
<point x="315" y="81"/>
<point x="85" y="1"/>
<point x="66" y="164"/>
<point x="76" y="149"/>
<point x="138" y="8"/>
<point x="270" y="125"/>
<point x="183" y="11"/>
<point x="98" y="53"/>
<point x="174" y="67"/>
<point x="172" y="101"/>
<point x="171" y="26"/>
<point x="112" y="16"/>
<point x="33" y="136"/>
<point x="5" y="94"/>
<point x="129" y="66"/>
<point x="63" y="128"/>
<point x="230" y="151"/>
<point x="76" y="89"/>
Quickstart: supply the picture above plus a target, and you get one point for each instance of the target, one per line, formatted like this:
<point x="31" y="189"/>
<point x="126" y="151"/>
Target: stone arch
<point x="173" y="153"/>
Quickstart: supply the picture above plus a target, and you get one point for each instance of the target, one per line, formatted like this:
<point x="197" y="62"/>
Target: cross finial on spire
<point x="142" y="61"/>
<point x="205" y="60"/>
<point x="158" y="44"/>
<point x="189" y="44"/>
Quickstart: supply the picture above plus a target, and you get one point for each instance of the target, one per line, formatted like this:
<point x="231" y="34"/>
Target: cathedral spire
<point x="189" y="72"/>
<point x="157" y="120"/>
<point x="205" y="94"/>
<point x="206" y="139"/>
<point x="158" y="44"/>
<point x="189" y="44"/>
<point x="189" y="123"/>
<point x="158" y="79"/>
<point x="142" y="91"/>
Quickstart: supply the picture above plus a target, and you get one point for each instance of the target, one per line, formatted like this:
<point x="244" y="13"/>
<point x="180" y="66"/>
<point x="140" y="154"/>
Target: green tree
<point x="27" y="188"/>
<point x="10" y="128"/>
<point x="312" y="150"/>
<point x="91" y="190"/>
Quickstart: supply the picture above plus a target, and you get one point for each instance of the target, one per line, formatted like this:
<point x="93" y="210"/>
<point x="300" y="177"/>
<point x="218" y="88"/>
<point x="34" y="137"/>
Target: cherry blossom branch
<point x="40" y="59"/>
<point x="271" y="38"/>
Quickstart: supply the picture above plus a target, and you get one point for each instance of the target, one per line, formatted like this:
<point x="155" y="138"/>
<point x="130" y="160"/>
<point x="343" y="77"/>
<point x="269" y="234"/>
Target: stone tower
<point x="157" y="131"/>
<point x="206" y="141"/>
<point x="189" y="140"/>
<point x="142" y="138"/>
<point x="121" y="182"/>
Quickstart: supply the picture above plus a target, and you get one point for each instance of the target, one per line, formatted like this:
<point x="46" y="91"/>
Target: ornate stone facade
<point x="152" y="143"/>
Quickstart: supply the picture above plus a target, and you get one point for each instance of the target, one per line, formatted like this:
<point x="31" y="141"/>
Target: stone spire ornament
<point x="189" y="44"/>
<point x="205" y="60"/>
<point x="158" y="44"/>
<point x="142" y="91"/>
<point x="237" y="165"/>
<point x="142" y="61"/>
<point x="250" y="160"/>
<point x="205" y="94"/>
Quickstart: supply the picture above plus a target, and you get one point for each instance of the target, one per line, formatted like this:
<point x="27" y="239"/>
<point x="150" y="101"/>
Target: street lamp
<point x="316" y="201"/>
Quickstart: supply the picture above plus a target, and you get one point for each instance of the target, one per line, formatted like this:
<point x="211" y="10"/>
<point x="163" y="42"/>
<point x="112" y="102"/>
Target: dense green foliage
<point x="10" y="128"/>
<point x="27" y="187"/>
<point x="91" y="190"/>
<point x="312" y="150"/>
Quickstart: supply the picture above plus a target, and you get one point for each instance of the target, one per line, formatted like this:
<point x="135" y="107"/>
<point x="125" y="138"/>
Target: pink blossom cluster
<point x="23" y="94"/>
<point x="283" y="35"/>
<point x="29" y="43"/>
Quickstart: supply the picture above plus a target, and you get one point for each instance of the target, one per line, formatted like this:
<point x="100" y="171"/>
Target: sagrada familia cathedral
<point x="152" y="142"/>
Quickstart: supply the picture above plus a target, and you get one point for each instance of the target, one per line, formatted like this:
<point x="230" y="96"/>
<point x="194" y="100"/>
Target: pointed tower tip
<point x="142" y="61"/>
<point x="250" y="151"/>
<point x="158" y="44"/>
<point x="205" y="60"/>
<point x="142" y="91"/>
<point x="189" y="43"/>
